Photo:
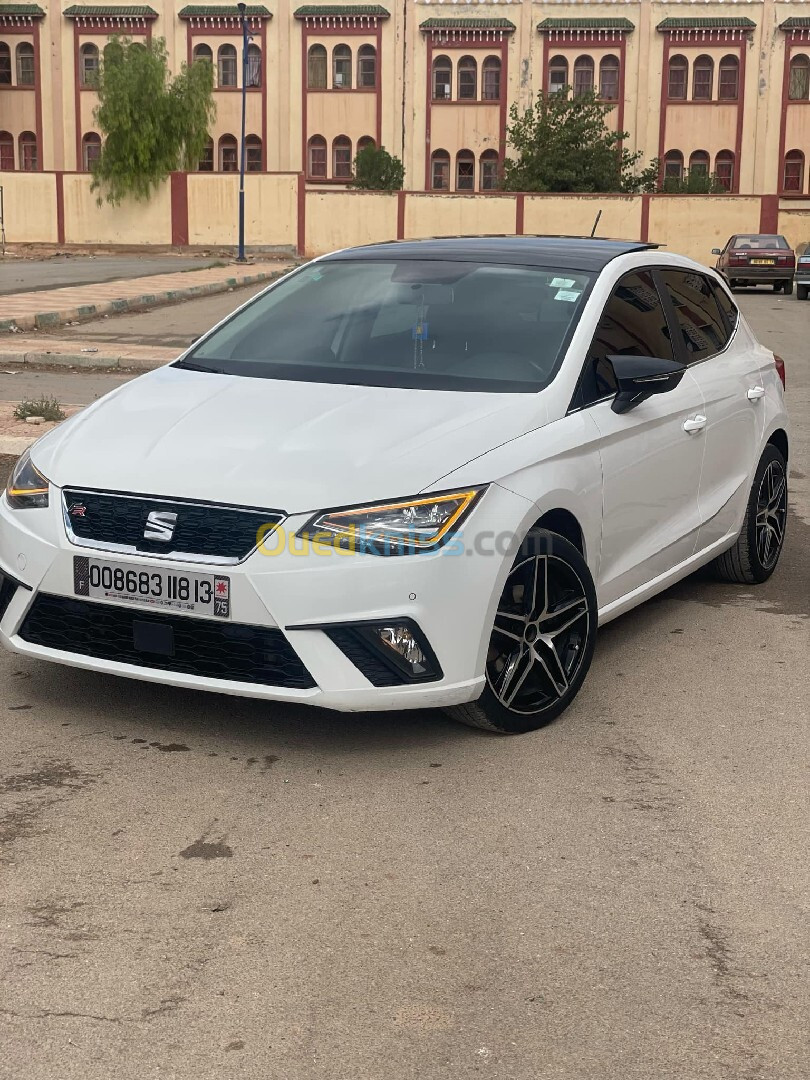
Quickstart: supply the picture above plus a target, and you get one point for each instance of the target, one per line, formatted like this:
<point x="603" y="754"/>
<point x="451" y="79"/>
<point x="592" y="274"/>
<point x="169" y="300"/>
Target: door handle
<point x="755" y="393"/>
<point x="694" y="423"/>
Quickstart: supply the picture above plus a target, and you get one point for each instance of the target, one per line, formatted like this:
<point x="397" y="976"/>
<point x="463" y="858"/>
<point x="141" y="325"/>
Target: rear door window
<point x="632" y="324"/>
<point x="700" y="322"/>
<point x="727" y="306"/>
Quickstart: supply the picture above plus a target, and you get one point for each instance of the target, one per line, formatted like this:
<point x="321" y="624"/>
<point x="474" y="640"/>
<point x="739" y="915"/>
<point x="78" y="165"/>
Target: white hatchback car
<point x="415" y="474"/>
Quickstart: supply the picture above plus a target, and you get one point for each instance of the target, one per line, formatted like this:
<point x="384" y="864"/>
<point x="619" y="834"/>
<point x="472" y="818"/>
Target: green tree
<point x="562" y="143"/>
<point x="152" y="124"/>
<point x="693" y="183"/>
<point x="377" y="170"/>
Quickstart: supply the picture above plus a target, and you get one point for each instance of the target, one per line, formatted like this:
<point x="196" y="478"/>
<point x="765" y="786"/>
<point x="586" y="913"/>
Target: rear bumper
<point x="759" y="274"/>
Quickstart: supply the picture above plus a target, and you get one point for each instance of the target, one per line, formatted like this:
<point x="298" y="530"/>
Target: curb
<point x="48" y="319"/>
<point x="16" y="444"/>
<point x="91" y="362"/>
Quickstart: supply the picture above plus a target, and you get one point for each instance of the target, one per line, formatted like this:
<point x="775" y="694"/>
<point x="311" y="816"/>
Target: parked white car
<point x="415" y="474"/>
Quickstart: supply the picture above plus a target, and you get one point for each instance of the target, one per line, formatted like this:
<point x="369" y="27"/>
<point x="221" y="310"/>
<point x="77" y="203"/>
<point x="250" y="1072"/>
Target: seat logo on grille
<point x="160" y="525"/>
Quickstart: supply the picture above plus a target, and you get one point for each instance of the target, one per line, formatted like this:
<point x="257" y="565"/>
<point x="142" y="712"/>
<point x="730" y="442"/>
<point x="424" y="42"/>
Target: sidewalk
<point x="52" y="308"/>
<point x="52" y="352"/>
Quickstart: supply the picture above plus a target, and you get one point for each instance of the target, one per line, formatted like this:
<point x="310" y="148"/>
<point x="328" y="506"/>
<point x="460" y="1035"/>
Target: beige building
<point x="713" y="86"/>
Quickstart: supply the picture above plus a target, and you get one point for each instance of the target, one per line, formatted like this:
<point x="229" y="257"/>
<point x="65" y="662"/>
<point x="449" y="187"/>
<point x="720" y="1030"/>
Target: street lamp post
<point x="245" y="39"/>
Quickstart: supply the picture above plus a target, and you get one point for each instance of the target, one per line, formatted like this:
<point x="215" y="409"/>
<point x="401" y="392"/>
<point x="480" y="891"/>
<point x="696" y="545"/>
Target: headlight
<point x="396" y="528"/>
<point x="27" y="487"/>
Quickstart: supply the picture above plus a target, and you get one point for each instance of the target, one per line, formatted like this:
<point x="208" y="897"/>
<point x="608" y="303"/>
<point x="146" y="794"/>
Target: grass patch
<point x="46" y="407"/>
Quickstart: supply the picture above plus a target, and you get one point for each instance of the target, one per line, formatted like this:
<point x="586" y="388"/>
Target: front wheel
<point x="756" y="552"/>
<point x="542" y="640"/>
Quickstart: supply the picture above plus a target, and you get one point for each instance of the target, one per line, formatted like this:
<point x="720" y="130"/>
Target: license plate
<point x="152" y="586"/>
<point x="763" y="262"/>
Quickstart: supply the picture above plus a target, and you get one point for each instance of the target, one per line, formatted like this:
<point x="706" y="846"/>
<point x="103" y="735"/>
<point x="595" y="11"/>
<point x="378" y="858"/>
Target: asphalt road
<point x="199" y="887"/>
<point x="32" y="275"/>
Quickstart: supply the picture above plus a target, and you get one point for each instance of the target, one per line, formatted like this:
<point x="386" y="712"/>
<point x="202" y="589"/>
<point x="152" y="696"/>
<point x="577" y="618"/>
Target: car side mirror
<point x="716" y="251"/>
<point x="638" y="377"/>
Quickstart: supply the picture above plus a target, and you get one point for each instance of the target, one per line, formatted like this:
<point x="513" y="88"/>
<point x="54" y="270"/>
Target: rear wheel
<point x="542" y="641"/>
<point x="801" y="292"/>
<point x="788" y="288"/>
<point x="754" y="556"/>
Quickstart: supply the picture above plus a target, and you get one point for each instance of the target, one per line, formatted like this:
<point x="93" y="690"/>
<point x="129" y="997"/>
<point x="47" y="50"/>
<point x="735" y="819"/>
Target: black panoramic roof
<point x="568" y="252"/>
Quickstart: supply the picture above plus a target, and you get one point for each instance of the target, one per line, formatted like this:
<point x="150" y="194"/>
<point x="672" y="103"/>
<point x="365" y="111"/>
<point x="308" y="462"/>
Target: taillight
<point x="780" y="368"/>
<point x="786" y="260"/>
<point x="738" y="260"/>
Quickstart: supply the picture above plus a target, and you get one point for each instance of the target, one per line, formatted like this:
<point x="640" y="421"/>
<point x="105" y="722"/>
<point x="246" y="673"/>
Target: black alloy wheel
<point x="542" y="640"/>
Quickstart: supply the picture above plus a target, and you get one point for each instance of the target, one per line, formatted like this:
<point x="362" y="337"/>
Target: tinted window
<point x="761" y="242"/>
<point x="703" y="331"/>
<point x="727" y="305"/>
<point x="411" y="323"/>
<point x="633" y="324"/>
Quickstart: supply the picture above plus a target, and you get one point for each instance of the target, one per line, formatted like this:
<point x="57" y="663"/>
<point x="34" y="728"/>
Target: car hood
<point x="293" y="446"/>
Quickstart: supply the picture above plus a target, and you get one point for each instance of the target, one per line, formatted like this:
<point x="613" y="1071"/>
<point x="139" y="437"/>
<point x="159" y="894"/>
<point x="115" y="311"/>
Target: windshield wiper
<point x="189" y="365"/>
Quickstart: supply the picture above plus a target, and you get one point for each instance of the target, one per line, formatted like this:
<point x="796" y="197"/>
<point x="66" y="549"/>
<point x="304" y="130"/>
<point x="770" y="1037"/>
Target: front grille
<point x="7" y="589"/>
<point x="213" y="650"/>
<point x="202" y="529"/>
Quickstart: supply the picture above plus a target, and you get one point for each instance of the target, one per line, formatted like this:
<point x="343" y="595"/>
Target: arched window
<point x="26" y="72"/>
<point x="609" y="78"/>
<point x="253" y="154"/>
<point x="799" y="85"/>
<point x="465" y="171"/>
<point x="702" y="78"/>
<point x="5" y="64"/>
<point x="583" y="75"/>
<point x="226" y="66"/>
<point x="699" y="163"/>
<point x="467" y="79"/>
<point x="724" y="168"/>
<point x="728" y="88"/>
<point x="316" y="67"/>
<point x="367" y="67"/>
<point x="365" y="143"/>
<point x="793" y="179"/>
<point x="228" y="154"/>
<point x="6" y="151"/>
<point x="342" y="67"/>
<point x="488" y="180"/>
<point x="316" y="157"/>
<point x="254" y="66"/>
<point x="29" y="159"/>
<point x="673" y="165"/>
<point x="91" y="150"/>
<point x="557" y="74"/>
<point x="88" y="64"/>
<point x="677" y="77"/>
<point x="440" y="170"/>
<point x="206" y="162"/>
<point x="442" y="78"/>
<point x="491" y="79"/>
<point x="203" y="52"/>
<point x="342" y="158"/>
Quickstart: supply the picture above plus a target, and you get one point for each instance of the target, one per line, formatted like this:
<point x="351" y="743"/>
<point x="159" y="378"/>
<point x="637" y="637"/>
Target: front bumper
<point x="449" y="594"/>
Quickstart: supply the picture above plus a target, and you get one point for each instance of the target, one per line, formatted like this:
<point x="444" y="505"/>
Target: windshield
<point x="408" y="323"/>
<point x="761" y="243"/>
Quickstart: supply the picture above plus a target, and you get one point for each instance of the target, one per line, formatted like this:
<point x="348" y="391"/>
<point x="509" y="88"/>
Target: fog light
<point x="401" y="641"/>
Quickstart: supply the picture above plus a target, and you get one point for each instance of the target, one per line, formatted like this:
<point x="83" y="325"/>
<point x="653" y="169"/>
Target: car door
<point x="726" y="366"/>
<point x="650" y="463"/>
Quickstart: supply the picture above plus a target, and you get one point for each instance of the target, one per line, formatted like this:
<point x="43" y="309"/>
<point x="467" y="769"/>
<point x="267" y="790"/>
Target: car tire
<point x="778" y="286"/>
<point x="788" y="288"/>
<point x="801" y="292"/>
<point x="542" y="640"/>
<point x="732" y="284"/>
<point x="754" y="556"/>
